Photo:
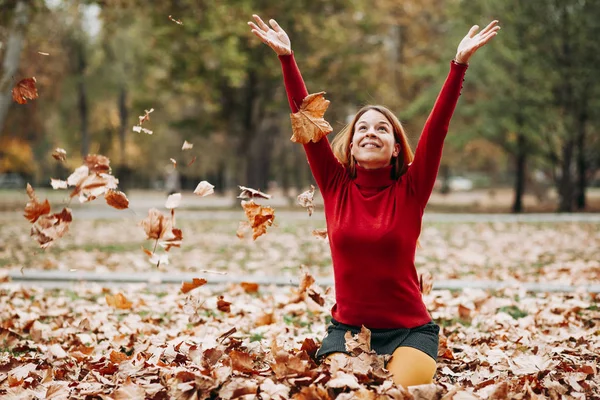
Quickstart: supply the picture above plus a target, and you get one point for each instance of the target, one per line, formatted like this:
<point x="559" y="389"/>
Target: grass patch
<point x="513" y="311"/>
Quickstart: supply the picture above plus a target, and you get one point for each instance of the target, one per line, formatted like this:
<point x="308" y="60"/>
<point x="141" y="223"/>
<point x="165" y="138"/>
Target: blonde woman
<point x="375" y="192"/>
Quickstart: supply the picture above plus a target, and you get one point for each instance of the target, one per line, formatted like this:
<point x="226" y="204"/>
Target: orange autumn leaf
<point x="156" y="224"/>
<point x="97" y="163"/>
<point x="308" y="123"/>
<point x="249" y="287"/>
<point x="189" y="286"/>
<point x="223" y="305"/>
<point x="426" y="282"/>
<point x="25" y="90"/>
<point x="116" y="199"/>
<point x="259" y="217"/>
<point x="320" y="233"/>
<point x="146" y="116"/>
<point x="173" y="240"/>
<point x="117" y="357"/>
<point x="59" y="154"/>
<point x="34" y="208"/>
<point x="118" y="301"/>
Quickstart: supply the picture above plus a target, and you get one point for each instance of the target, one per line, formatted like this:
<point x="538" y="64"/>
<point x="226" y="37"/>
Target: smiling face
<point x="373" y="142"/>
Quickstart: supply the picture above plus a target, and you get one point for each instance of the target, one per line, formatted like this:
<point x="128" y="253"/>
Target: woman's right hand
<point x="275" y="38"/>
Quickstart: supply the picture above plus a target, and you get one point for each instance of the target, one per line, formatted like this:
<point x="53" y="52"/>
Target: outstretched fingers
<point x="490" y="27"/>
<point x="275" y="26"/>
<point x="261" y="23"/>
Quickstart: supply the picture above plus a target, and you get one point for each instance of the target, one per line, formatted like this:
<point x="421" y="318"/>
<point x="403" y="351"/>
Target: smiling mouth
<point x="370" y="145"/>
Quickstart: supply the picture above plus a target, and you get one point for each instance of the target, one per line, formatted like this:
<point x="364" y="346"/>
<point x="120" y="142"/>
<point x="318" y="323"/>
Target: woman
<point x="374" y="195"/>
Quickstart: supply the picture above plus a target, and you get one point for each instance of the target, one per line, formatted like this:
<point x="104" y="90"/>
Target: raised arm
<point x="323" y="164"/>
<point x="424" y="168"/>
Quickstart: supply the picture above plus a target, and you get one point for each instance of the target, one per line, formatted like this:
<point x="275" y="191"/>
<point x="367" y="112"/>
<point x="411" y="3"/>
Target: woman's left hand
<point x="470" y="43"/>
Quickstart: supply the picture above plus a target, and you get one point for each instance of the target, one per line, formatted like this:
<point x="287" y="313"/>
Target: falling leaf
<point x="320" y="233"/>
<point x="97" y="163"/>
<point x="48" y="227"/>
<point x="59" y="154"/>
<point x="187" y="145"/>
<point x="249" y="287"/>
<point x="249" y="193"/>
<point x="139" y="129"/>
<point x="78" y="175"/>
<point x="426" y="282"/>
<point x="178" y="22"/>
<point x="204" y="189"/>
<point x="118" y="301"/>
<point x="192" y="161"/>
<point x="25" y="90"/>
<point x="34" y="209"/>
<point x="188" y="286"/>
<point x="242" y="228"/>
<point x="223" y="305"/>
<point x="173" y="201"/>
<point x="259" y="217"/>
<point x="116" y="199"/>
<point x="156" y="224"/>
<point x="146" y="116"/>
<point x="174" y="162"/>
<point x="43" y="54"/>
<point x="308" y="123"/>
<point x="58" y="184"/>
<point x="306" y="200"/>
<point x="172" y="239"/>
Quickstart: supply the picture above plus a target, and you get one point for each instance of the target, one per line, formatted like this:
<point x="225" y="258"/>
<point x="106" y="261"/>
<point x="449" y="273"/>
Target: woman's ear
<point x="396" y="150"/>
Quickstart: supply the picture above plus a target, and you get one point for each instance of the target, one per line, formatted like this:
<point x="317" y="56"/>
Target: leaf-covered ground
<point x="166" y="344"/>
<point x="157" y="342"/>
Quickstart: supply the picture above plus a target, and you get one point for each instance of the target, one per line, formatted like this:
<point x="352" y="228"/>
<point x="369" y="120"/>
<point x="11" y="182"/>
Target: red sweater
<point x="373" y="221"/>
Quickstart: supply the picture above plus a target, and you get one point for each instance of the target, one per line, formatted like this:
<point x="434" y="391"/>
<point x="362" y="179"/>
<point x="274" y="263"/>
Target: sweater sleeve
<point x="323" y="164"/>
<point x="424" y="168"/>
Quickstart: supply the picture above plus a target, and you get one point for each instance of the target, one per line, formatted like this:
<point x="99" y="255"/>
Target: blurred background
<point x="526" y="130"/>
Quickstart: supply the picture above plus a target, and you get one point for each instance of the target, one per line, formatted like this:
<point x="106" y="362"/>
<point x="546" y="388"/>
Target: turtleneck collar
<point x="373" y="178"/>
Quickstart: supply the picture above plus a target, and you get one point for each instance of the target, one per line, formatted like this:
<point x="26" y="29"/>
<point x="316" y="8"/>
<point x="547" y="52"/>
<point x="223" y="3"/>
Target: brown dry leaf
<point x="359" y="343"/>
<point x="426" y="282"/>
<point x="249" y="193"/>
<point x="223" y="305"/>
<point x="118" y="301"/>
<point x="42" y="53"/>
<point x="59" y="154"/>
<point x="78" y="175"/>
<point x="97" y="163"/>
<point x="189" y="286"/>
<point x="259" y="217"/>
<point x="116" y="199"/>
<point x="308" y="123"/>
<point x="320" y="233"/>
<point x="173" y="239"/>
<point x="25" y="90"/>
<point x="146" y="116"/>
<point x="249" y="287"/>
<point x="305" y="199"/>
<point x="187" y="145"/>
<point x="242" y="228"/>
<point x="34" y="209"/>
<point x="204" y="189"/>
<point x="265" y="319"/>
<point x="48" y="227"/>
<point x="192" y="161"/>
<point x="174" y="162"/>
<point x="241" y="361"/>
<point x="156" y="224"/>
<point x="178" y="22"/>
<point x="306" y="282"/>
<point x="117" y="357"/>
<point x="94" y="185"/>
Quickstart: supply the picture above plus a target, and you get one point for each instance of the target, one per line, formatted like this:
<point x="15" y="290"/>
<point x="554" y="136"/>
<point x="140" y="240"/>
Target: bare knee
<point x="410" y="367"/>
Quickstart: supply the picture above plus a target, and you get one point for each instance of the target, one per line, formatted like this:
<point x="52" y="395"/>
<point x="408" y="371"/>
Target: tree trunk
<point x="12" y="56"/>
<point x="520" y="166"/>
<point x="582" y="167"/>
<point x="123" y="116"/>
<point x="565" y="185"/>
<point x="82" y="94"/>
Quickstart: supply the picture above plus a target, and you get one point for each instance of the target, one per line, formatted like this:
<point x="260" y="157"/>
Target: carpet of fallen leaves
<point x="245" y="341"/>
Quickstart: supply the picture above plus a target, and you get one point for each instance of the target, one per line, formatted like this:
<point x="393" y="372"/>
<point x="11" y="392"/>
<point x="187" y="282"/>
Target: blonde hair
<point x="341" y="143"/>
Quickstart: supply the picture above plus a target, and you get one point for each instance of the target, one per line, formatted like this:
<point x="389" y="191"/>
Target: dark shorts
<point x="384" y="341"/>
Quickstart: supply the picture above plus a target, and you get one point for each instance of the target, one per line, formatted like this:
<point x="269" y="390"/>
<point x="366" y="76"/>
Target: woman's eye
<point x="382" y="128"/>
<point x="362" y="128"/>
